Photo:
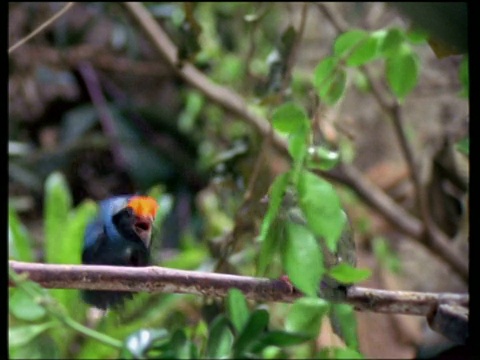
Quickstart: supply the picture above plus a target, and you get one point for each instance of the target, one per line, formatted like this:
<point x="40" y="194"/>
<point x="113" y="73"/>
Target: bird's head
<point x="144" y="210"/>
<point x="131" y="217"/>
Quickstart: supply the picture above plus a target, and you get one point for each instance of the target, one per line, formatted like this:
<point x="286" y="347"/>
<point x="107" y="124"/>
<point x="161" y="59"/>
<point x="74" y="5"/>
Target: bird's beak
<point x="145" y="209"/>
<point x="143" y="227"/>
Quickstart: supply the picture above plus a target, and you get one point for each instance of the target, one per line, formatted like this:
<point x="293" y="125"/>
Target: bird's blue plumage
<point x="111" y="239"/>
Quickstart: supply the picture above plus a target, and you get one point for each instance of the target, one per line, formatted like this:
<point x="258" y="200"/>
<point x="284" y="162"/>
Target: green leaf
<point x="220" y="338"/>
<point x="302" y="258"/>
<point x="19" y="240"/>
<point x="193" y="105"/>
<point x="392" y="42"/>
<point x="321" y="206"/>
<point x="464" y="145"/>
<point x="464" y="77"/>
<point x="277" y="339"/>
<point x="324" y="71"/>
<point x="347" y="41"/>
<point x="271" y="352"/>
<point x="74" y="230"/>
<point x="40" y="347"/>
<point x="339" y="353"/>
<point x="330" y="81"/>
<point x="21" y="335"/>
<point x="269" y="246"/>
<point x="306" y="315"/>
<point x="297" y="145"/>
<point x="237" y="308"/>
<point x="321" y="158"/>
<point x="361" y="81"/>
<point x="276" y="192"/>
<point x="348" y="274"/>
<point x="281" y="339"/>
<point x="402" y="72"/>
<point x="417" y="36"/>
<point x="335" y="89"/>
<point x="70" y="244"/>
<point x="58" y="203"/>
<point x="23" y="307"/>
<point x="256" y="325"/>
<point x="364" y="51"/>
<point x="344" y="315"/>
<point x="180" y="345"/>
<point x="290" y="118"/>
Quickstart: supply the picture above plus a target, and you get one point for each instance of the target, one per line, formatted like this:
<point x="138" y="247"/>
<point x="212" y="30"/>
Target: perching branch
<point x="235" y="104"/>
<point x="158" y="279"/>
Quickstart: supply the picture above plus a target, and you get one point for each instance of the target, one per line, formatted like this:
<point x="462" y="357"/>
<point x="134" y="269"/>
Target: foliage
<point x="355" y="48"/>
<point x="198" y="161"/>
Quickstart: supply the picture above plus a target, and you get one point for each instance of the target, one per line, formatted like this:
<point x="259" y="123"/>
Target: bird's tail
<point x="102" y="299"/>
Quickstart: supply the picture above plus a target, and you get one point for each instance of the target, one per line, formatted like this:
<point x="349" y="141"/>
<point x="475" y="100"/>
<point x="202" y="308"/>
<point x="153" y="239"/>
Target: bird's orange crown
<point x="144" y="206"/>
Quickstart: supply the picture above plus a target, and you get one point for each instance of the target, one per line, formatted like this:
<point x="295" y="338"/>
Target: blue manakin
<point x="119" y="236"/>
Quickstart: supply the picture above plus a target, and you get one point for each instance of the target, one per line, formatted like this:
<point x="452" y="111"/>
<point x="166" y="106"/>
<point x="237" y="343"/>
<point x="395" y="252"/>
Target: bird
<point x="120" y="235"/>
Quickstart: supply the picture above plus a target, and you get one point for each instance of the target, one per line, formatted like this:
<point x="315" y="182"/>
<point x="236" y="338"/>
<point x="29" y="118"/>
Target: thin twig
<point x="106" y="118"/>
<point x="158" y="279"/>
<point x="42" y="27"/>
<point x="292" y="57"/>
<point x="98" y="56"/>
<point x="338" y="23"/>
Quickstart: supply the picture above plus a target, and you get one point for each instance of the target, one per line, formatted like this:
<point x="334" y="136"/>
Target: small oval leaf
<point x="402" y="72"/>
<point x="275" y="196"/>
<point x="321" y="206"/>
<point x="306" y="315"/>
<point x="344" y="322"/>
<point x="237" y="308"/>
<point x="348" y="274"/>
<point x="289" y="118"/>
<point x="256" y="325"/>
<point x="347" y="41"/>
<point x="220" y="338"/>
<point x="22" y="306"/>
<point x="324" y="70"/>
<point x="302" y="258"/>
<point x="391" y="42"/>
<point x="364" y="51"/>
